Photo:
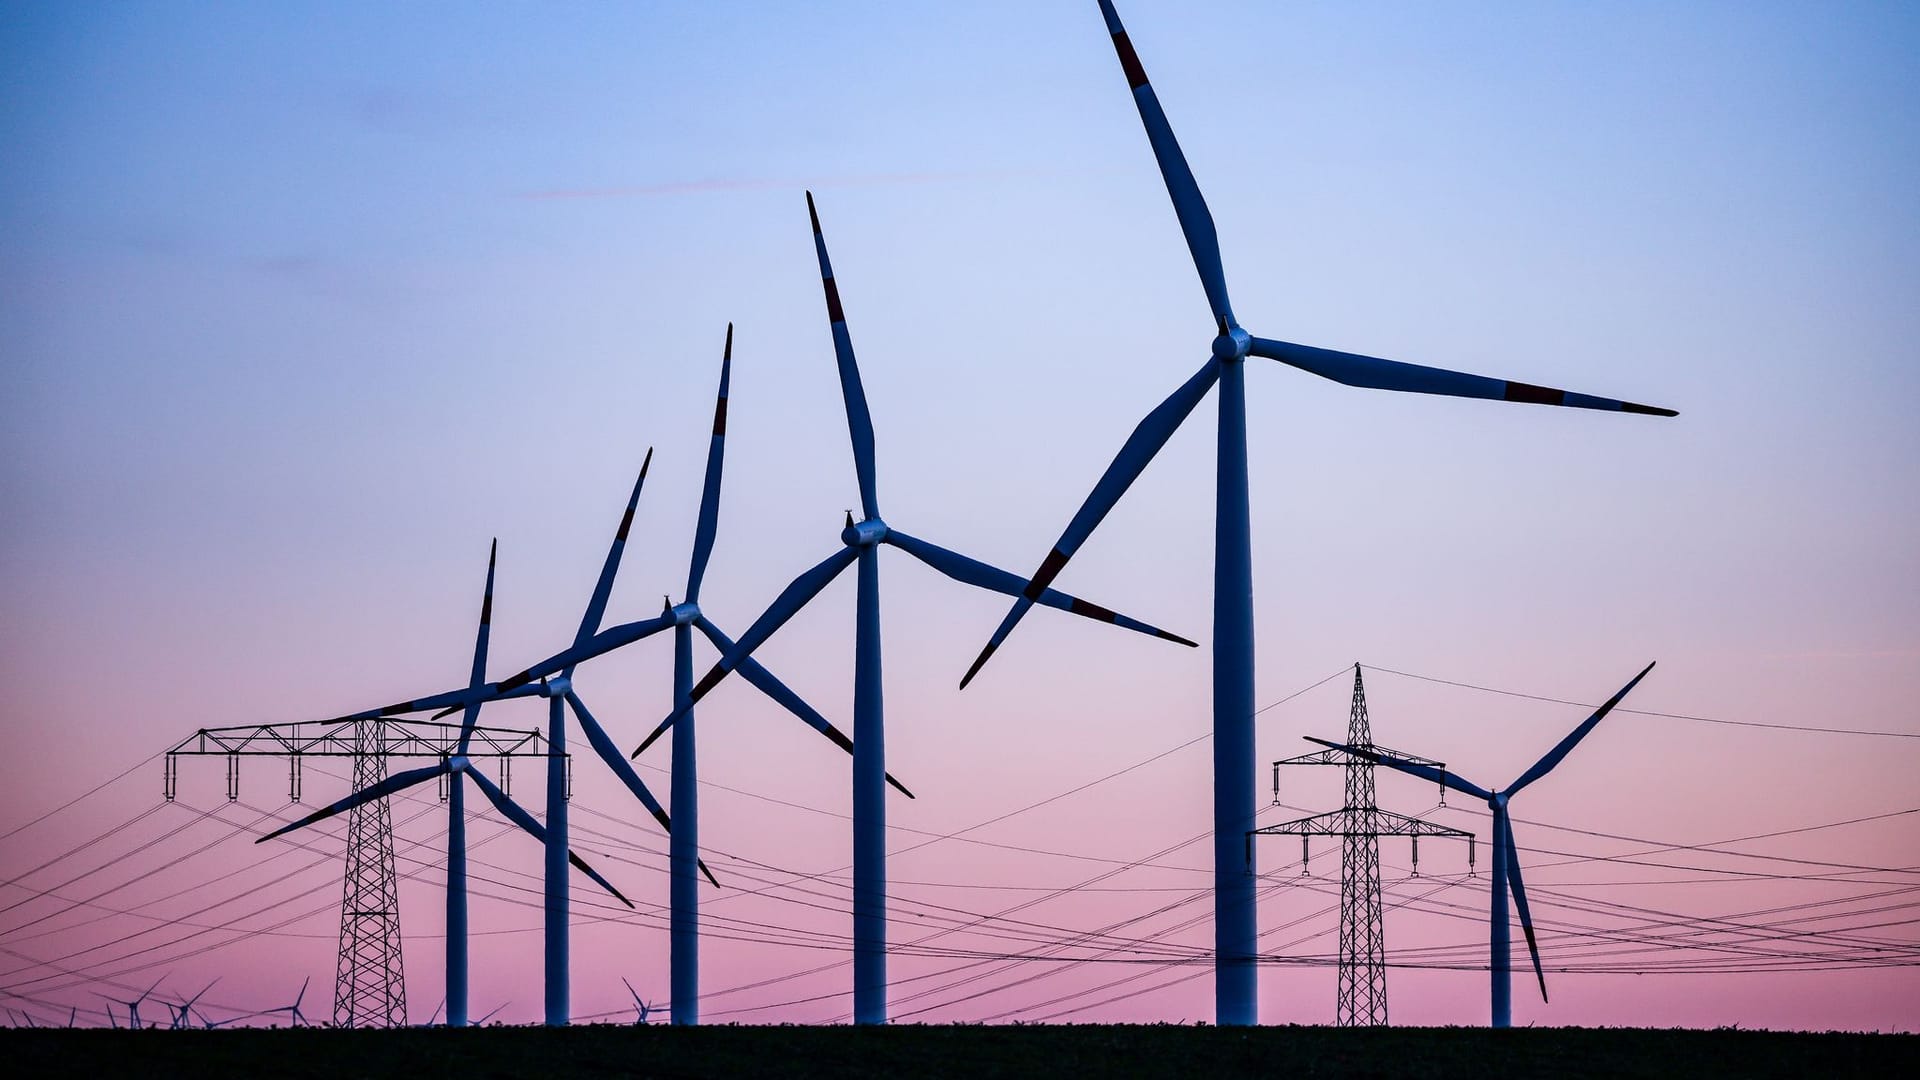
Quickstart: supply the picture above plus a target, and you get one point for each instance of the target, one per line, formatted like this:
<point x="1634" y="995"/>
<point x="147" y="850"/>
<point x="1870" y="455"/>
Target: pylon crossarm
<point x="1321" y="757"/>
<point x="1341" y="757"/>
<point x="1333" y="823"/>
<point x="335" y="738"/>
<point x="1391" y="824"/>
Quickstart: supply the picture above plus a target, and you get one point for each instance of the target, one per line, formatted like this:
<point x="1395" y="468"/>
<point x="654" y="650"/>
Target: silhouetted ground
<point x="1065" y="1053"/>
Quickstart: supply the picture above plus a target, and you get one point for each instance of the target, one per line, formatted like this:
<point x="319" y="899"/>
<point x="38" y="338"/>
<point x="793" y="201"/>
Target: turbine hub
<point x="558" y="686"/>
<point x="458" y="763"/>
<point x="684" y="614"/>
<point x="1232" y="345"/>
<point x="864" y="533"/>
<point x="1498" y="800"/>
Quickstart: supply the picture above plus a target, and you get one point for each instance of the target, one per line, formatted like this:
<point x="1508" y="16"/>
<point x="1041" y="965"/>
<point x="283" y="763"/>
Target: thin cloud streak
<point x="693" y="187"/>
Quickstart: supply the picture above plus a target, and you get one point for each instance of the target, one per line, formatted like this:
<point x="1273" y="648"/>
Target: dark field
<point x="1065" y="1052"/>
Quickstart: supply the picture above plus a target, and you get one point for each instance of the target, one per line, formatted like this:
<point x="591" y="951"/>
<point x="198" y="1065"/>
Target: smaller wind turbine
<point x="1506" y="858"/>
<point x="132" y="1007"/>
<point x="640" y="1008"/>
<point x="433" y="1020"/>
<point x="182" y="1012"/>
<point x="494" y="1013"/>
<point x="295" y="1018"/>
<point x="458" y="767"/>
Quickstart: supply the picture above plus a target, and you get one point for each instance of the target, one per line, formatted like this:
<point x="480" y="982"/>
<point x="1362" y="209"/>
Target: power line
<point x="96" y="789"/>
<point x="1647" y="712"/>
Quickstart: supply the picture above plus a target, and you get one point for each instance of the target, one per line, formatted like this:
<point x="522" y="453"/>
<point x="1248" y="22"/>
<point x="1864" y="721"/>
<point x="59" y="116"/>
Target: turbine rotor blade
<point x="479" y="673"/>
<point x="709" y="520"/>
<point x="610" y="568"/>
<point x="859" y="420"/>
<point x="1148" y="437"/>
<point x="609" y="753"/>
<point x="598" y="645"/>
<point x="602" y="745"/>
<point x="1424" y="772"/>
<point x="970" y="571"/>
<point x="486" y="694"/>
<point x="1196" y="222"/>
<point x="451" y="700"/>
<point x="1566" y="745"/>
<point x="764" y="680"/>
<point x="1505" y="825"/>
<point x="397" y="782"/>
<point x="794" y="597"/>
<point x="513" y="812"/>
<point x="1374" y="373"/>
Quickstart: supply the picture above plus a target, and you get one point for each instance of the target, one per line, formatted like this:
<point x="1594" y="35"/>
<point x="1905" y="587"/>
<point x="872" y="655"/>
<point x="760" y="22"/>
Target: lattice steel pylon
<point x="1361" y="1000"/>
<point x="370" y="987"/>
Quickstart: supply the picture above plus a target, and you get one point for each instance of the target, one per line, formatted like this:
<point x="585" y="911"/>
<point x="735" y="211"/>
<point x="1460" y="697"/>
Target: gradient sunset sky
<point x="301" y="305"/>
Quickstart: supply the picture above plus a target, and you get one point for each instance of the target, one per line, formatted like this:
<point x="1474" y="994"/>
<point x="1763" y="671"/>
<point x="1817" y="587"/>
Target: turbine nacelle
<point x="684" y="614"/>
<point x="1232" y="344"/>
<point x="459" y="763"/>
<point x="557" y="686"/>
<point x="860" y="534"/>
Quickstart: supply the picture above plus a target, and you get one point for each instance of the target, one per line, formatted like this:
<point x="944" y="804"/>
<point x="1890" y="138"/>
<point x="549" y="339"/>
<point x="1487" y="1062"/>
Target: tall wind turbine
<point x="861" y="544"/>
<point x="1235" y="931"/>
<point x="456" y="767"/>
<point x="1506" y="858"/>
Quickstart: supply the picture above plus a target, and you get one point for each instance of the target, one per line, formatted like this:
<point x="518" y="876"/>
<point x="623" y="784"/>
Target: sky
<point x="303" y="305"/>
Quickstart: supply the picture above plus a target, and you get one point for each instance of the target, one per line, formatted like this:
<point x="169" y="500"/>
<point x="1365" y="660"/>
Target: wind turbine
<point x="181" y="1018"/>
<point x="456" y="767"/>
<point x="1235" y="931"/>
<point x="133" y="1007"/>
<point x="1506" y="858"/>
<point x="640" y="1008"/>
<point x="295" y="1018"/>
<point x="860" y="544"/>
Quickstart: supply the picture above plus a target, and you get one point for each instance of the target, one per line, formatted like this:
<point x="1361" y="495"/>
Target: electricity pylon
<point x="1359" y="823"/>
<point x="369" y="987"/>
<point x="369" y="982"/>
